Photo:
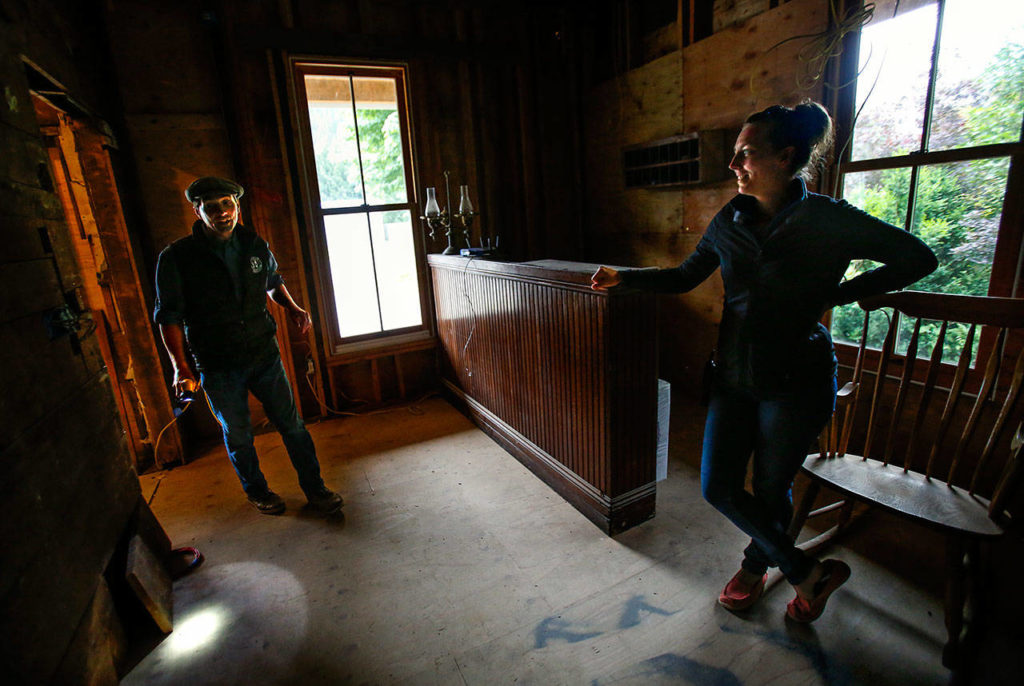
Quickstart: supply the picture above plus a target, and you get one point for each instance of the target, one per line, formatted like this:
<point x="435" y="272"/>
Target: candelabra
<point x="437" y="218"/>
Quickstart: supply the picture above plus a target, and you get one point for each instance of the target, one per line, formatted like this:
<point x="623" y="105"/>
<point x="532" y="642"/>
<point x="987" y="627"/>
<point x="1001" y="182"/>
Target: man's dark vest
<point x="224" y="332"/>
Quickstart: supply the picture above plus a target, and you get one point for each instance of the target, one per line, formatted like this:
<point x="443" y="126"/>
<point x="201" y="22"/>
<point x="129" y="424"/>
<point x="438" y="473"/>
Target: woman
<point x="783" y="252"/>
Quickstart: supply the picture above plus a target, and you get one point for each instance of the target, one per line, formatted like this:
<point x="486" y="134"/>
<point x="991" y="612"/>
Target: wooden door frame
<point x="126" y="336"/>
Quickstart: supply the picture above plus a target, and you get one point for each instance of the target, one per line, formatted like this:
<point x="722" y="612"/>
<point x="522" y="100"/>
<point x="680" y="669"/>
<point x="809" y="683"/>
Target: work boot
<point x="267" y="503"/>
<point x="324" y="500"/>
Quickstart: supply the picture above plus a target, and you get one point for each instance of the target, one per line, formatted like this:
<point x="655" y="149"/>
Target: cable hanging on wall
<point x="822" y="46"/>
<point x="472" y="310"/>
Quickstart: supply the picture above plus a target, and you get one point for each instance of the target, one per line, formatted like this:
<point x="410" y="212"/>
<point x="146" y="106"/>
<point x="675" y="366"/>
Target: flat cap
<point x="207" y="186"/>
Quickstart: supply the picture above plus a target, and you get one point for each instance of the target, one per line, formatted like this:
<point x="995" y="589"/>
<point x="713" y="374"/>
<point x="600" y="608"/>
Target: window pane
<point x="979" y="95"/>
<point x="395" y="256"/>
<point x="895" y="61"/>
<point x="882" y="194"/>
<point x="848" y="322"/>
<point x="380" y="140"/>
<point x="957" y="214"/>
<point x="333" y="132"/>
<point x="354" y="248"/>
<point x="348" y="249"/>
<point x="956" y="337"/>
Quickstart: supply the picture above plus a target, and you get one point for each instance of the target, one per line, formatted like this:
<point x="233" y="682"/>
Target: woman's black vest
<point x="224" y="332"/>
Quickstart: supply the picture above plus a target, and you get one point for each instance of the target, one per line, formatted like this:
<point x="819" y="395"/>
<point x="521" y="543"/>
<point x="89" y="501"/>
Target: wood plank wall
<point x="494" y="99"/>
<point x="174" y="131"/>
<point x="713" y="83"/>
<point x="66" y="477"/>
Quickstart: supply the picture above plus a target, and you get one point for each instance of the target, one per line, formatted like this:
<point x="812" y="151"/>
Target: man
<point x="212" y="289"/>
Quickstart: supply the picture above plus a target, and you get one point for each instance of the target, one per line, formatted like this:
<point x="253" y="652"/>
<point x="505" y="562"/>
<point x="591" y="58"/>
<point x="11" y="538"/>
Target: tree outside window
<point x="940" y="102"/>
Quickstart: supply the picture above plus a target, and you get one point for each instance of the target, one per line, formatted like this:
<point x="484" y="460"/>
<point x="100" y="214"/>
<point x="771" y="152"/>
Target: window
<point x="939" y="102"/>
<point x="354" y="130"/>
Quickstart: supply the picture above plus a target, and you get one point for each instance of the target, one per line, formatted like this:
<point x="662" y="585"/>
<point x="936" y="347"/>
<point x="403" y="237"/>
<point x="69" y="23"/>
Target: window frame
<point x="339" y="348"/>
<point x="1006" y="277"/>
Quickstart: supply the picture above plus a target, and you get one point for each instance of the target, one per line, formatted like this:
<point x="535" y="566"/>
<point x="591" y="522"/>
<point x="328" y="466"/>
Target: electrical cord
<point x="853" y="124"/>
<point x="472" y="311"/>
<point x="412" y="407"/>
<point x="825" y="45"/>
<point x="156" y="445"/>
<point x="197" y="559"/>
<point x="178" y="414"/>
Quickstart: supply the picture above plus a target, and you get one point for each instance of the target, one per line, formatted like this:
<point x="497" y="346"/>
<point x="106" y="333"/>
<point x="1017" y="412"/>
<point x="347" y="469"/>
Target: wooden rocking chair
<point x="933" y="442"/>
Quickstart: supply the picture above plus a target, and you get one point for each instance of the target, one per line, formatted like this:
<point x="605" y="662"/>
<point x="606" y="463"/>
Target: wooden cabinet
<point x="562" y="376"/>
<point x="699" y="157"/>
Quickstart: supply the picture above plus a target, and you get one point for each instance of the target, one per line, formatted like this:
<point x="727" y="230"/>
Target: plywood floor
<point x="453" y="564"/>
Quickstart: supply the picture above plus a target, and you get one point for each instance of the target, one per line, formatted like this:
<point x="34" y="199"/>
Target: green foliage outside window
<point x="337" y="164"/>
<point x="958" y="205"/>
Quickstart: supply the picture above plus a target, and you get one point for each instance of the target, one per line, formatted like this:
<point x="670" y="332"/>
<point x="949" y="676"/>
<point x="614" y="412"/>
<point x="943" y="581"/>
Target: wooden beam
<point x="935" y="157"/>
<point x="127" y="290"/>
<point x="682" y="23"/>
<point x="150" y="582"/>
<point x="375" y="374"/>
<point x="327" y="43"/>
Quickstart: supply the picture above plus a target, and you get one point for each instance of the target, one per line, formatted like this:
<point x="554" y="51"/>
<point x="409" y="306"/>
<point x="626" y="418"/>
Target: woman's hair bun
<point x="812" y="118"/>
<point x="807" y="128"/>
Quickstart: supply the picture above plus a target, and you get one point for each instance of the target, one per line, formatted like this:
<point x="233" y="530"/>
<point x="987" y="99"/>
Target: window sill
<point x="381" y="347"/>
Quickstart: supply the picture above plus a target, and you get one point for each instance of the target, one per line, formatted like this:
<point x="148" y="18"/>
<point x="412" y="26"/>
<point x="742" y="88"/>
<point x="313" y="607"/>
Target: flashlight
<point x="186" y="394"/>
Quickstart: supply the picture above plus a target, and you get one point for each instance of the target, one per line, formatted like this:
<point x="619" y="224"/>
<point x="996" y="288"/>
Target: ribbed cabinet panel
<point x="571" y="370"/>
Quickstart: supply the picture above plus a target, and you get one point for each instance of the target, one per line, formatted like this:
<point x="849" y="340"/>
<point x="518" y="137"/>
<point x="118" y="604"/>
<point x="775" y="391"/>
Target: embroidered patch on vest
<point x="256" y="264"/>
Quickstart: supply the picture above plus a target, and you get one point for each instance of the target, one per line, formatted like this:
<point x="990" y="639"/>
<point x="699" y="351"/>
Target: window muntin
<point x="358" y="153"/>
<point x="881" y="194"/>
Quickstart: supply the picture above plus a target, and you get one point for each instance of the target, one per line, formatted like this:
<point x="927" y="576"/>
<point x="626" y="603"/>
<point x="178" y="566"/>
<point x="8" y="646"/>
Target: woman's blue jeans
<point x="777" y="431"/>
<point x="229" y="397"/>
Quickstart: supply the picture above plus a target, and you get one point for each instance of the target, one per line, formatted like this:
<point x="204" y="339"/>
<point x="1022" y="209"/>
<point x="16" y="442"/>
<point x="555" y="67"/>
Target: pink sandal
<point x="805" y="611"/>
<point x="739" y="596"/>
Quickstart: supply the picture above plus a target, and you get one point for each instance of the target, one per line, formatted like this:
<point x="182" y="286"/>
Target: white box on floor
<point x="664" y="405"/>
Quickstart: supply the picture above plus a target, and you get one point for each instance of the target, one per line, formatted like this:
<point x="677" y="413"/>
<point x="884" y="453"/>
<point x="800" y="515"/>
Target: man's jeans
<point x="778" y="431"/>
<point x="229" y="396"/>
